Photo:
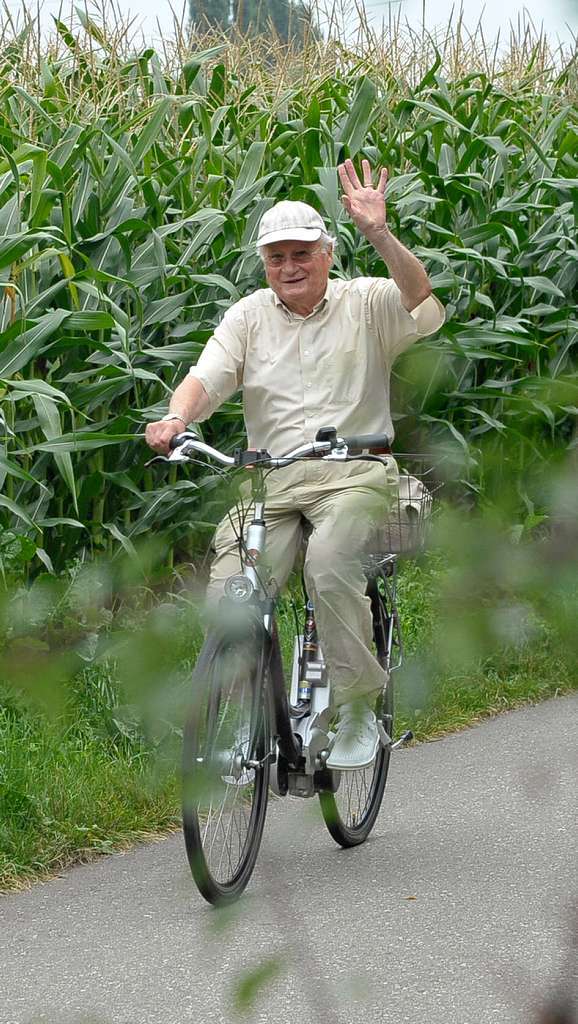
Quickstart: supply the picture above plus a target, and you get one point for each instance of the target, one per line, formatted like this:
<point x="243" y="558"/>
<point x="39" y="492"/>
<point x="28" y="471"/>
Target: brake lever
<point x="179" y="454"/>
<point x="339" y="453"/>
<point x="157" y="458"/>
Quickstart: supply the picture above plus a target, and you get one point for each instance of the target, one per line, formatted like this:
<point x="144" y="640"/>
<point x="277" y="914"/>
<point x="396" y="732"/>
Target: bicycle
<point x="244" y="733"/>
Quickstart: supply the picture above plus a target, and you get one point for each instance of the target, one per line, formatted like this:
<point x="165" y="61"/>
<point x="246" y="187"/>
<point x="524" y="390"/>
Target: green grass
<point x="455" y="702"/>
<point x="66" y="796"/>
<point x="99" y="777"/>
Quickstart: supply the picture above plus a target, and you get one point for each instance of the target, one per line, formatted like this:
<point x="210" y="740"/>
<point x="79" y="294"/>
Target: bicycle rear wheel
<point x="351" y="811"/>
<point x="224" y="798"/>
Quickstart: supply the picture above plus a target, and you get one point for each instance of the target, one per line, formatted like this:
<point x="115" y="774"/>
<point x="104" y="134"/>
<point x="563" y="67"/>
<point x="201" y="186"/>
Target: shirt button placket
<point x="307" y="370"/>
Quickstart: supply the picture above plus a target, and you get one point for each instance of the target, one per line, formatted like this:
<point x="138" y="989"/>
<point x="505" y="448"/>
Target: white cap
<point x="288" y="221"/>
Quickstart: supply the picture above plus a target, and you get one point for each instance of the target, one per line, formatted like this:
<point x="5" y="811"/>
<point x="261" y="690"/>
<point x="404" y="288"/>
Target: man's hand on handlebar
<point x="158" y="435"/>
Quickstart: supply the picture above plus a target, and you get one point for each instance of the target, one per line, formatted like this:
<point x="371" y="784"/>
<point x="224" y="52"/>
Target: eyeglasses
<point x="302" y="257"/>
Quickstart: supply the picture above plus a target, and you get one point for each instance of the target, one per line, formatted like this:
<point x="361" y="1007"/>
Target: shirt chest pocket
<point x="345" y="375"/>
<point x="348" y="365"/>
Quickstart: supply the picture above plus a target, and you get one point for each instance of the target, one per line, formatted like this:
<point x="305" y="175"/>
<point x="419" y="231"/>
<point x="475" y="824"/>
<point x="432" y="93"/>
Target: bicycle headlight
<point x="239" y="588"/>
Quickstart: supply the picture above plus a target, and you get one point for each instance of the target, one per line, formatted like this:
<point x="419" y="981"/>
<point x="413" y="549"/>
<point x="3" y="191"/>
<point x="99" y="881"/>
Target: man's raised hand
<point x="364" y="203"/>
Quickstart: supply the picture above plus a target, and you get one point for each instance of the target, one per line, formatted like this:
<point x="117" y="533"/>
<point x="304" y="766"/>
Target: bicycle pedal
<point x="407" y="736"/>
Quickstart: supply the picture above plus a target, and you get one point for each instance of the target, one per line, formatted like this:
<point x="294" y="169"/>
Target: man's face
<point x="298" y="273"/>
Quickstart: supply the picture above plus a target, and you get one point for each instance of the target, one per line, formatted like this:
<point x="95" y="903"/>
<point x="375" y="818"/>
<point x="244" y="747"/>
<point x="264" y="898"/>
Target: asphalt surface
<point x="459" y="909"/>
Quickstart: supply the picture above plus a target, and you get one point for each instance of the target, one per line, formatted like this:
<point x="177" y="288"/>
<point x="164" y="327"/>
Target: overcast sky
<point x="555" y="15"/>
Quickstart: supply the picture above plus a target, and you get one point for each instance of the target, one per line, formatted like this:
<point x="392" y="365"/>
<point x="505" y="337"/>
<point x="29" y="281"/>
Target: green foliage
<point x="488" y="617"/>
<point x="130" y="192"/>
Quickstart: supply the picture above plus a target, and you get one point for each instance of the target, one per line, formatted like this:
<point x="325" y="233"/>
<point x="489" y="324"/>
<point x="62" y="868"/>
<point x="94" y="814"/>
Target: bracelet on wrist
<point x="173" y="416"/>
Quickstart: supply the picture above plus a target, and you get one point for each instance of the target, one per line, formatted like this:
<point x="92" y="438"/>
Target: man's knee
<point x="328" y="569"/>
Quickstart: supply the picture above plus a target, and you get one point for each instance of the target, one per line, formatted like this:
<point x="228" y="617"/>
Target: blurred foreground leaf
<point x="253" y="983"/>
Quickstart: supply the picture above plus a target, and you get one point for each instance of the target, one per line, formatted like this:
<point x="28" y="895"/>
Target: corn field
<point x="131" y="185"/>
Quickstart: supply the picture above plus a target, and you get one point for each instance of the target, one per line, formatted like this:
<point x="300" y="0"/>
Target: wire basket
<point x="404" y="532"/>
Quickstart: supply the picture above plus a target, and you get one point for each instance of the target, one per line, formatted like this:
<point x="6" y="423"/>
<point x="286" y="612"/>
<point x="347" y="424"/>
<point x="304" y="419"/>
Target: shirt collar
<point x="320" y="305"/>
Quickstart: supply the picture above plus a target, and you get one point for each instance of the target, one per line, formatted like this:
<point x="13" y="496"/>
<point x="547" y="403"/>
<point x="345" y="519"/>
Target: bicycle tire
<point x="350" y="828"/>
<point x="228" y="724"/>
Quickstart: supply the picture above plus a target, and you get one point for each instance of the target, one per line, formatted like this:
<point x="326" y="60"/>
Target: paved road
<point x="457" y="911"/>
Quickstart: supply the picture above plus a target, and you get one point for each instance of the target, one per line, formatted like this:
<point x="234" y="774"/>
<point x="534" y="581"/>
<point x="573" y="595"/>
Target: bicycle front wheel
<point x="225" y="770"/>
<point x="351" y="811"/>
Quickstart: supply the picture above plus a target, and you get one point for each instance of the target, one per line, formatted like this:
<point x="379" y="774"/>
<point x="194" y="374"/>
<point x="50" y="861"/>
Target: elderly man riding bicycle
<point x="307" y="351"/>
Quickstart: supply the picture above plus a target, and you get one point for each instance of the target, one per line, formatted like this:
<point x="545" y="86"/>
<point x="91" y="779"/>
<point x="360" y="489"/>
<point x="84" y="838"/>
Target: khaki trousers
<point x="344" y="505"/>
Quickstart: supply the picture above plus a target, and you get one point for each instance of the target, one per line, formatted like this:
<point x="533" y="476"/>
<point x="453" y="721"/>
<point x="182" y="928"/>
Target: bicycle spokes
<point x="224" y="769"/>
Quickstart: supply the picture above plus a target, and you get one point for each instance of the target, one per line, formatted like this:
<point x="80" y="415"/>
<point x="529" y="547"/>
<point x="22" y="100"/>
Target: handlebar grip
<point x="178" y="439"/>
<point x="368" y="441"/>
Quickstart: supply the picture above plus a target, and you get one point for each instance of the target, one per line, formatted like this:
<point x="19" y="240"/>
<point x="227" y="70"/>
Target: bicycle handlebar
<point x="327" y="446"/>
<point x="182" y="444"/>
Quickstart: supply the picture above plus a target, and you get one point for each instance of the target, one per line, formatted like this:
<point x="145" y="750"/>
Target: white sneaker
<point x="357" y="739"/>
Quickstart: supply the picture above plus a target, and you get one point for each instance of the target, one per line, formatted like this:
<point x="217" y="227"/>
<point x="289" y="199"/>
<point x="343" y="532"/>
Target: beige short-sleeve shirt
<point x="331" y="368"/>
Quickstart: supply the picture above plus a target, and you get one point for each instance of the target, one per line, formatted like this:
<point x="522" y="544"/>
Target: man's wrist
<point x="376" y="235"/>
<point x="174" y="416"/>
